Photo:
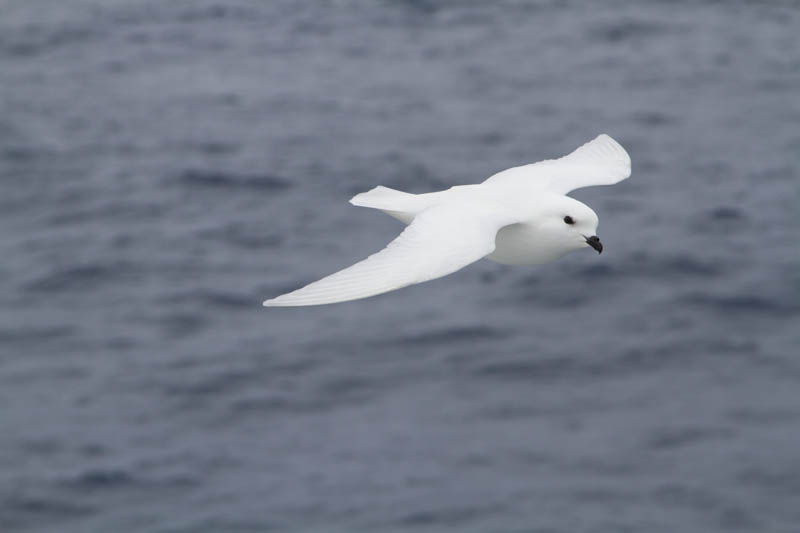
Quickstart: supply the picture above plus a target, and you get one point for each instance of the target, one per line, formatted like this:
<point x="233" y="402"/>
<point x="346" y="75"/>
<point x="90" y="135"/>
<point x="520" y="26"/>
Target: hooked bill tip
<point x="594" y="242"/>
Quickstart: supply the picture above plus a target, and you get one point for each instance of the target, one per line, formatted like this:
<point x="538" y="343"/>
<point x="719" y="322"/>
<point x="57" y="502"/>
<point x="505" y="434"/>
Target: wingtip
<point x="617" y="148"/>
<point x="608" y="139"/>
<point x="283" y="301"/>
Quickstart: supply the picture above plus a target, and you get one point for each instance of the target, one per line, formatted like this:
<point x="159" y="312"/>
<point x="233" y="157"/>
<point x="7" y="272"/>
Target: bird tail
<point x="401" y="205"/>
<point x="384" y="198"/>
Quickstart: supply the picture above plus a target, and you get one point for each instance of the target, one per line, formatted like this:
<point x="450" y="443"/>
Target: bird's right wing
<point x="441" y="239"/>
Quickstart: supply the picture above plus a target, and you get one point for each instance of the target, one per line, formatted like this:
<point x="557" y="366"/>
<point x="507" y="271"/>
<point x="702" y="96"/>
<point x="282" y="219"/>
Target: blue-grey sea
<point x="165" y="166"/>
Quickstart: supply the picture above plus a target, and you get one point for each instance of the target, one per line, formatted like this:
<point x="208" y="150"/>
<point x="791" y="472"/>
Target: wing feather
<point x="440" y="240"/>
<point x="602" y="161"/>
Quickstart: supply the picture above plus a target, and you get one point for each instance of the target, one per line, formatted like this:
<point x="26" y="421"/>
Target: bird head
<point x="569" y="225"/>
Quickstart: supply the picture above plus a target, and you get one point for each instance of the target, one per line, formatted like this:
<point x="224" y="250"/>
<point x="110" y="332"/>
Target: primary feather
<point x="440" y="240"/>
<point x="601" y="161"/>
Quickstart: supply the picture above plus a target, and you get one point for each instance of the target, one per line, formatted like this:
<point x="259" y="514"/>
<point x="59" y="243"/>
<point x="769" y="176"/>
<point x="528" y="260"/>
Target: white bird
<point x="519" y="216"/>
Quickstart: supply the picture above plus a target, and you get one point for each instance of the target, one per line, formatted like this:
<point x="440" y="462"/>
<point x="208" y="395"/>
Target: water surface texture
<point x="166" y="166"/>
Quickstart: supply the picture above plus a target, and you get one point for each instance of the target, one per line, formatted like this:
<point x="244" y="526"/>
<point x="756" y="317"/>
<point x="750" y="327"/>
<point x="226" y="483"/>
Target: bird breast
<point x="523" y="244"/>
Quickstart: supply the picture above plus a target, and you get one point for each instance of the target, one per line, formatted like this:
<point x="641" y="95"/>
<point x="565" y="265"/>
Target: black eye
<point x="569" y="220"/>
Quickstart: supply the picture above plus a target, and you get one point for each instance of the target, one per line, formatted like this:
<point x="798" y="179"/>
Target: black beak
<point x="594" y="242"/>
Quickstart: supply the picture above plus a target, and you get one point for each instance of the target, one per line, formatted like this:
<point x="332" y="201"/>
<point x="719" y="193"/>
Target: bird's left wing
<point x="441" y="239"/>
<point x="601" y="161"/>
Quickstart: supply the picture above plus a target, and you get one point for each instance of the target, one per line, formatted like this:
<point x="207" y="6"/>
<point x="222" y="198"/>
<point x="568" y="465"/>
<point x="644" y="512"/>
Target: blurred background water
<point x="166" y="166"/>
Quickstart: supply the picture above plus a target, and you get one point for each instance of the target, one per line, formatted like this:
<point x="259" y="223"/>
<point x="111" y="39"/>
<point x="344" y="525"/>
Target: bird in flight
<point x="520" y="216"/>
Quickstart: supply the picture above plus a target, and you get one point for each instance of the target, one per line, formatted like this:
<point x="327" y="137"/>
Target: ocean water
<point x="166" y="166"/>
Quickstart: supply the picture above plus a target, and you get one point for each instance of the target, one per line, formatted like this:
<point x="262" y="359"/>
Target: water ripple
<point x="207" y="179"/>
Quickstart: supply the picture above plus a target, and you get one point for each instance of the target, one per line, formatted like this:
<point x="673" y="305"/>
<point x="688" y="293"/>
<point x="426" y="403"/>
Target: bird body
<point x="519" y="216"/>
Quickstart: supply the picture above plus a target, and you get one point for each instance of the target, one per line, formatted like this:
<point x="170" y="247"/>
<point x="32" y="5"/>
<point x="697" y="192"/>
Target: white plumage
<point x="517" y="216"/>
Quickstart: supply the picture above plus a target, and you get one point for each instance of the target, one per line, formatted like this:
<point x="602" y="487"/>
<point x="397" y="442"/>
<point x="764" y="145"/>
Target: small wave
<point x="741" y="303"/>
<point x="80" y="277"/>
<point x="528" y="369"/>
<point x="261" y="406"/>
<point x="22" y="508"/>
<point x="729" y="516"/>
<point x="70" y="213"/>
<point x="217" y="384"/>
<point x="672" y="438"/>
<point x="557" y="296"/>
<point x="667" y="354"/>
<point x="34" y="40"/>
<point x="626" y="30"/>
<point x="687" y="265"/>
<point x="347" y="388"/>
<point x="247" y="237"/>
<point x="451" y="516"/>
<point x="215" y="147"/>
<point x="214" y="180"/>
<point x="27" y="334"/>
<point x="403" y="173"/>
<point x="100" y="479"/>
<point x="652" y="118"/>
<point x="763" y="417"/>
<point x="655" y="266"/>
<point x="215" y="11"/>
<point x="600" y="271"/>
<point x="782" y="482"/>
<point x="672" y="494"/>
<point x="281" y="405"/>
<point x="19" y="154"/>
<point x="618" y="363"/>
<point x="181" y="324"/>
<point x="728" y="219"/>
<point x="603" y="495"/>
<point x="727" y="212"/>
<point x="454" y="334"/>
<point x="208" y="298"/>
